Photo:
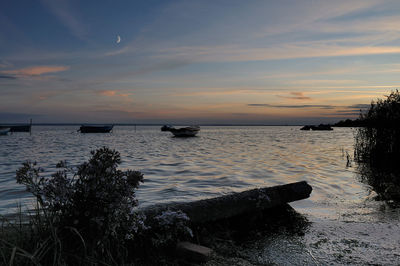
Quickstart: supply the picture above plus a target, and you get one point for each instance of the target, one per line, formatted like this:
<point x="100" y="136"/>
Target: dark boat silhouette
<point x="20" y="128"/>
<point x="166" y="127"/>
<point x="95" y="129"/>
<point x="185" y="131"/>
<point x="4" y="130"/>
<point x="319" y="127"/>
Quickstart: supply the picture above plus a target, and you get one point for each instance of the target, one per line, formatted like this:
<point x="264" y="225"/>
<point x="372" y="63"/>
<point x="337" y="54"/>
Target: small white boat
<point x="4" y="130"/>
<point x="185" y="131"/>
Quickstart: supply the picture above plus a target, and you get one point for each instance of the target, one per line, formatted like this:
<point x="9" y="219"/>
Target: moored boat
<point x="95" y="129"/>
<point x="185" y="131"/>
<point x="319" y="127"/>
<point x="18" y="128"/>
<point x="4" y="130"/>
<point x="21" y="128"/>
<point x="166" y="127"/>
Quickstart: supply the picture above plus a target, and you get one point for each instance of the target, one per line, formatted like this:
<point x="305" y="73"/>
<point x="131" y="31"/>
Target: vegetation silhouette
<point x="86" y="216"/>
<point x="377" y="146"/>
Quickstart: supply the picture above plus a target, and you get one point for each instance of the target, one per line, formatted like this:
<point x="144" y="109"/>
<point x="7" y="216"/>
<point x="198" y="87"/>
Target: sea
<point x="348" y="225"/>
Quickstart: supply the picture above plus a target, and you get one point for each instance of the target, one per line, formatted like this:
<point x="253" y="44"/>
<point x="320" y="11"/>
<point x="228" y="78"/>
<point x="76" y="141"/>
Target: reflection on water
<point x="220" y="160"/>
<point x="225" y="159"/>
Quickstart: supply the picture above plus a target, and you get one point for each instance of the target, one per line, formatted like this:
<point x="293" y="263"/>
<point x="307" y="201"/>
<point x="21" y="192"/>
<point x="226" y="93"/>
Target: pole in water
<point x="135" y="127"/>
<point x="30" y="128"/>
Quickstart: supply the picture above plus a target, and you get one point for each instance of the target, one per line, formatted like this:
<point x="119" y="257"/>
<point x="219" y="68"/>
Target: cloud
<point x="213" y="92"/>
<point x="5" y="64"/>
<point x="7" y="77"/>
<point x="107" y="93"/>
<point x="355" y="109"/>
<point x="64" y="13"/>
<point x="112" y="93"/>
<point x="35" y="70"/>
<point x="359" y="106"/>
<point x="292" y="106"/>
<point x="296" y="96"/>
<point x="311" y="49"/>
<point x="345" y="112"/>
<point x="339" y="111"/>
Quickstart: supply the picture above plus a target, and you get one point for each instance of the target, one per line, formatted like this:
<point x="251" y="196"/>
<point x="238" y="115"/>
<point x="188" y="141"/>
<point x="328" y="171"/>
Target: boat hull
<point x="95" y="129"/>
<point x="17" y="128"/>
<point x="4" y="131"/>
<point x="21" y="128"/>
<point x="185" y="131"/>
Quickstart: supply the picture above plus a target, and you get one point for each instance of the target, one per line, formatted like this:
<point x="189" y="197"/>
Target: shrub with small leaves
<point x="169" y="226"/>
<point x="96" y="199"/>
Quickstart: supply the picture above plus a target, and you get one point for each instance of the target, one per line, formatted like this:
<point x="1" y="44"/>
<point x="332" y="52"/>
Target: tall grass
<point x="377" y="144"/>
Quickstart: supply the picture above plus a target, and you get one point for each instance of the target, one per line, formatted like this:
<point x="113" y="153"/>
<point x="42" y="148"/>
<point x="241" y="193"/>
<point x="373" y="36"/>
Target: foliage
<point x="89" y="211"/>
<point x="87" y="215"/>
<point x="377" y="144"/>
<point x="169" y="226"/>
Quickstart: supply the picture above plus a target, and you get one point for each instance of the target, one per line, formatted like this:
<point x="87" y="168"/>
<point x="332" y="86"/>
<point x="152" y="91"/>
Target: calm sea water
<point x="347" y="219"/>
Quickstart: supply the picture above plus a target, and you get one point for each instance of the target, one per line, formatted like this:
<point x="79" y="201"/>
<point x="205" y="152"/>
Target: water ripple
<point x="219" y="161"/>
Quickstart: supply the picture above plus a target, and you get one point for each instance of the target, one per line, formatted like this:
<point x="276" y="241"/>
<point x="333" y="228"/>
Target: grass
<point x="377" y="145"/>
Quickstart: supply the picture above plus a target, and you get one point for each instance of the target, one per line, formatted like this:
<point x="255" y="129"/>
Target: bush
<point x="377" y="144"/>
<point x="85" y="213"/>
<point x="87" y="216"/>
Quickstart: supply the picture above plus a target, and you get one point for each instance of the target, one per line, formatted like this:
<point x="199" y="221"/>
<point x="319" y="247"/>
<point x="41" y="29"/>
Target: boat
<point x="166" y="127"/>
<point x="4" y="130"/>
<point x="319" y="127"/>
<point x="20" y="128"/>
<point x="190" y="131"/>
<point x="95" y="129"/>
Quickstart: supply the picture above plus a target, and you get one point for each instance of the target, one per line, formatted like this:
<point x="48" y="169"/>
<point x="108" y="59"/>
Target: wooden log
<point x="231" y="205"/>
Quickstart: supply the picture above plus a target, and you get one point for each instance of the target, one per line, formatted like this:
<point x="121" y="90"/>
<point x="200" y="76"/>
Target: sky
<point x="196" y="62"/>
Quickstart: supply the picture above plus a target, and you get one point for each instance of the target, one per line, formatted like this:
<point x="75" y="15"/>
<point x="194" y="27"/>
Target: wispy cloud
<point x="64" y="13"/>
<point x="295" y="96"/>
<point x="292" y="106"/>
<point x="107" y="93"/>
<point x="233" y="53"/>
<point x="5" y="64"/>
<point x="7" y="77"/>
<point x="113" y="93"/>
<point x="35" y="70"/>
<point x="349" y="110"/>
<point x="213" y="92"/>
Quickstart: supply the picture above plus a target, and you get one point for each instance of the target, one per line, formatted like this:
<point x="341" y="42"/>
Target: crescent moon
<point x="118" y="39"/>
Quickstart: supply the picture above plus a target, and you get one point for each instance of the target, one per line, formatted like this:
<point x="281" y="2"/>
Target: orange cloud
<point x="108" y="93"/>
<point x="36" y="70"/>
<point x="113" y="93"/>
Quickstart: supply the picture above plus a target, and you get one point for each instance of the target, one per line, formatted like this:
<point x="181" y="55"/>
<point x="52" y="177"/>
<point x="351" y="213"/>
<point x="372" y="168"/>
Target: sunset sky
<point x="196" y="62"/>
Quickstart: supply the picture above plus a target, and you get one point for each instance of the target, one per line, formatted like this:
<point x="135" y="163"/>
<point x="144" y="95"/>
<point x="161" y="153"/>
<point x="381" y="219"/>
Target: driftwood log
<point x="228" y="206"/>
